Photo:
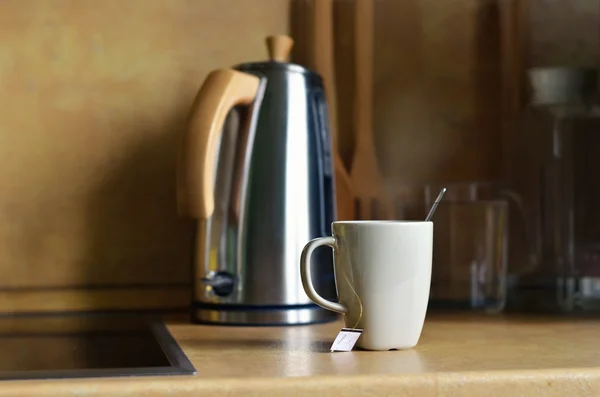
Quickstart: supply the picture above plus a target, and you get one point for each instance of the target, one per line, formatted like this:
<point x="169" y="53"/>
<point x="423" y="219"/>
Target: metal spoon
<point x="435" y="204"/>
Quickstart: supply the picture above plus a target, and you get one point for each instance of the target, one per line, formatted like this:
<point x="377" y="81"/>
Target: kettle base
<point x="251" y="315"/>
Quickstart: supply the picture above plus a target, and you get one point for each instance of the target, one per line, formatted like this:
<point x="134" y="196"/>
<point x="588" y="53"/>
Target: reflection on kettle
<point x="255" y="171"/>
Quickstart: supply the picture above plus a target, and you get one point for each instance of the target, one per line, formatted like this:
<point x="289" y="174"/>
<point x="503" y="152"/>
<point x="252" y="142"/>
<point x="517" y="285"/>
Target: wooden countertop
<point x="456" y="356"/>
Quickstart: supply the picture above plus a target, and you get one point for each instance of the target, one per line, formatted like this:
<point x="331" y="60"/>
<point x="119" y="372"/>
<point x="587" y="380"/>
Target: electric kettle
<point x="255" y="170"/>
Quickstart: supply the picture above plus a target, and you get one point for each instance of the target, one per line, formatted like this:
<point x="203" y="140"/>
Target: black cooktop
<point x="81" y="346"/>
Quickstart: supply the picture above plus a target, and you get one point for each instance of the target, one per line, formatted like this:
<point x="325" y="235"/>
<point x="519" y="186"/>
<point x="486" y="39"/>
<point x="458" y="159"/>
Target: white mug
<point x="382" y="275"/>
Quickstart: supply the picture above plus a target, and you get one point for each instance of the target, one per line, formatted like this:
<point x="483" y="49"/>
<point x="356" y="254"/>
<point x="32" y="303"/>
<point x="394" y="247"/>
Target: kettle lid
<point x="279" y="47"/>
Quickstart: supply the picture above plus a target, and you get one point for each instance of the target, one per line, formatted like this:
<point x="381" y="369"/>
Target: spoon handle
<point x="435" y="204"/>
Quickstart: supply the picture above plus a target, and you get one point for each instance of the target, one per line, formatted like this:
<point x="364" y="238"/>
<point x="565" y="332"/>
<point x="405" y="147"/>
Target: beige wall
<point x="95" y="94"/>
<point x="565" y="32"/>
<point x="436" y="90"/>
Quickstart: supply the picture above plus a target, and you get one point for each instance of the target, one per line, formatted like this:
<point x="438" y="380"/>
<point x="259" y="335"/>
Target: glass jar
<point x="554" y="165"/>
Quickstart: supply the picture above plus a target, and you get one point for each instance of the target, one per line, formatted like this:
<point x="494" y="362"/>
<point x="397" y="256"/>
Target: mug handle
<point x="307" y="278"/>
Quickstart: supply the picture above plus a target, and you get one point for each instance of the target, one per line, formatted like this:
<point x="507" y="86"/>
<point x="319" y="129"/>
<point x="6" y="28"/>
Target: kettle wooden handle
<point x="222" y="90"/>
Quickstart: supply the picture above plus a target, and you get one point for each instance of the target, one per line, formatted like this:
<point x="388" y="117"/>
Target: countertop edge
<point x="547" y="382"/>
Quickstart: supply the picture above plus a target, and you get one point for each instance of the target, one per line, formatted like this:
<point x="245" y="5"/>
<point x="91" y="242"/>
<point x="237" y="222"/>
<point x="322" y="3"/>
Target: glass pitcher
<point x="470" y="251"/>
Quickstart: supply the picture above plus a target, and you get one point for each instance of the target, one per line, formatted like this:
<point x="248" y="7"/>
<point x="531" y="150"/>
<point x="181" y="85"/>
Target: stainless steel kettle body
<point x="273" y="191"/>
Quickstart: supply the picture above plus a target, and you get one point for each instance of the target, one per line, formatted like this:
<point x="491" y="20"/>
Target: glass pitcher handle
<point x="531" y="240"/>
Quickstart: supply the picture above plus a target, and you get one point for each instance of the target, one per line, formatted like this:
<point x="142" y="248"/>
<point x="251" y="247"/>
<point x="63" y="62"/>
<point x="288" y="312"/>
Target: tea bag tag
<point x="346" y="339"/>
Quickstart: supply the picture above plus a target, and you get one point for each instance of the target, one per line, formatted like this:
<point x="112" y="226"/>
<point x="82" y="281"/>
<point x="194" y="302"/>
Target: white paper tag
<point x="346" y="339"/>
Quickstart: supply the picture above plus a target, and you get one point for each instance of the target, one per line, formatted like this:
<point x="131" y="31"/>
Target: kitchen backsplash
<point x="94" y="97"/>
<point x="566" y="32"/>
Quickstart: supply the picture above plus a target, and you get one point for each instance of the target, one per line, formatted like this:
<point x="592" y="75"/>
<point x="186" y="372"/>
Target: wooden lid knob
<point x="279" y="47"/>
